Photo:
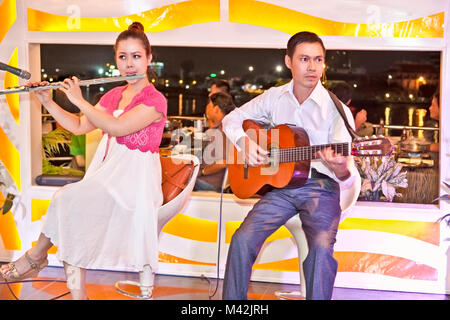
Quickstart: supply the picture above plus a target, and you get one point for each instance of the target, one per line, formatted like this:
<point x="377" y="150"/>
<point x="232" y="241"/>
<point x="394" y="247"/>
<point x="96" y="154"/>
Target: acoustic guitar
<point x="289" y="158"/>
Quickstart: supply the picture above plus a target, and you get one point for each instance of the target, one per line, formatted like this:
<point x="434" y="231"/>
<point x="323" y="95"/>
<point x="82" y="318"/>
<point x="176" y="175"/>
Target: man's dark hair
<point x="342" y="90"/>
<point x="436" y="95"/>
<point x="223" y="101"/>
<point x="223" y="85"/>
<point x="301" y="37"/>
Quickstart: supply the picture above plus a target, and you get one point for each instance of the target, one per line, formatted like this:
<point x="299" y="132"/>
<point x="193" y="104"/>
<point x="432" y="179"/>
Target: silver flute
<point x="56" y="85"/>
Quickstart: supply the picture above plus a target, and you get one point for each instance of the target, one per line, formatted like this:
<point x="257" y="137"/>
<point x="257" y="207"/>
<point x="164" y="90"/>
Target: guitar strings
<point x="307" y="152"/>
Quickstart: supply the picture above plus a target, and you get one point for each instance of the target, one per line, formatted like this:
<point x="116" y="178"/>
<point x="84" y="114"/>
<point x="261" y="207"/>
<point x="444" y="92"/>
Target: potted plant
<point x="8" y="203"/>
<point x="52" y="143"/>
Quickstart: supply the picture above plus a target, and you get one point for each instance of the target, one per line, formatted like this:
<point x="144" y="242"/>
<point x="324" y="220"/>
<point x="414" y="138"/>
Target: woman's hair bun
<point x="136" y="26"/>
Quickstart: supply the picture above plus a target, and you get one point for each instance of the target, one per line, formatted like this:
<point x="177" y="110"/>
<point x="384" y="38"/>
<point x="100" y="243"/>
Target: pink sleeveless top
<point x="148" y="138"/>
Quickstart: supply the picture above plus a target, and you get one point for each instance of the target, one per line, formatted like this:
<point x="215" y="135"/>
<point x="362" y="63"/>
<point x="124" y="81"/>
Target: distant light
<point x="387" y="95"/>
<point x="187" y="86"/>
<point x="166" y="81"/>
<point x="390" y="76"/>
<point x="45" y="75"/>
<point x="100" y="70"/>
<point x="107" y="64"/>
<point x="279" y="68"/>
<point x="112" y="66"/>
<point x="51" y="79"/>
<point x="153" y="80"/>
<point x="251" y="68"/>
<point x="115" y="73"/>
<point x="42" y="70"/>
<point x="101" y="89"/>
<point x="194" y="82"/>
<point x="355" y="85"/>
<point x="213" y="75"/>
<point x="180" y="81"/>
<point x="222" y="72"/>
<point x="57" y="70"/>
<point x="411" y="96"/>
<point x="167" y="84"/>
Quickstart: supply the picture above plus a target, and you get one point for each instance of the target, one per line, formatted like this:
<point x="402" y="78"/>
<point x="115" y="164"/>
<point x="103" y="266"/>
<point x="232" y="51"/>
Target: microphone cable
<point x="225" y="179"/>
<point x="8" y="284"/>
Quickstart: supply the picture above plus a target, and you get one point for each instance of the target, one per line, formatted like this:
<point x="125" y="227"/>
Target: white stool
<point x="294" y="225"/>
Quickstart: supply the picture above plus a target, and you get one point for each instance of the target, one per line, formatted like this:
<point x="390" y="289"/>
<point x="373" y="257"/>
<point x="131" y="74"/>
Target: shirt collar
<point x="317" y="95"/>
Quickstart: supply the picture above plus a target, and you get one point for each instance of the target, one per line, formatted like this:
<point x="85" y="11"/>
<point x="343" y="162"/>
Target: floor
<point x="100" y="286"/>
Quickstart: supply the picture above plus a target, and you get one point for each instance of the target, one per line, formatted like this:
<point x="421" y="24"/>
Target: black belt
<point x="317" y="175"/>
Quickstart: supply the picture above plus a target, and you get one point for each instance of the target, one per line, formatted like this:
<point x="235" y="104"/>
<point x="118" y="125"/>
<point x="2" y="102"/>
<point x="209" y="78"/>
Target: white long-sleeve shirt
<point x="317" y="115"/>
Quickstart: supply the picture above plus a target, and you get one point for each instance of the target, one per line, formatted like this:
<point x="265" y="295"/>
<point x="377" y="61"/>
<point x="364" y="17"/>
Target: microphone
<point x="18" y="72"/>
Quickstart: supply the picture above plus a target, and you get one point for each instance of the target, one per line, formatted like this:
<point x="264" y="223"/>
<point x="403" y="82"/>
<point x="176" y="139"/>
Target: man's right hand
<point x="253" y="154"/>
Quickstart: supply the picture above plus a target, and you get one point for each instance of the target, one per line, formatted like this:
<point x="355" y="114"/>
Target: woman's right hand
<point x="43" y="96"/>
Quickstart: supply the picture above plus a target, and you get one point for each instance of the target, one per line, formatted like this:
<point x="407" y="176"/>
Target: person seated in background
<point x="344" y="92"/>
<point x="220" y="86"/>
<point x="78" y="150"/>
<point x="212" y="168"/>
<point x="433" y="136"/>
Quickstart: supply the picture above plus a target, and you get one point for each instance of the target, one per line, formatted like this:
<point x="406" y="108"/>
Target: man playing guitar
<point x="305" y="103"/>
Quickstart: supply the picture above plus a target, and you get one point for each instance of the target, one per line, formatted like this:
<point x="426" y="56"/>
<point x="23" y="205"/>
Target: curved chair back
<point x="350" y="194"/>
<point x="168" y="210"/>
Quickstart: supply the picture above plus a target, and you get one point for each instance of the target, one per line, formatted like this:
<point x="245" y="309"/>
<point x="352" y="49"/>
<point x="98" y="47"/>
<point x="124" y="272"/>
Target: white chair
<point x="165" y="213"/>
<point x="294" y="225"/>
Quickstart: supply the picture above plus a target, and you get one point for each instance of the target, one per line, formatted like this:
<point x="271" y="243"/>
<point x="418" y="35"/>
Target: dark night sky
<point x="73" y="59"/>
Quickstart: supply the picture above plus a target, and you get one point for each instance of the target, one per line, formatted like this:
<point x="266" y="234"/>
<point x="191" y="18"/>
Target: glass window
<point x="393" y="89"/>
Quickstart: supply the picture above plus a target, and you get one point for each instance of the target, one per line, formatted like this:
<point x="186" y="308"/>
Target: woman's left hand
<point x="71" y="87"/>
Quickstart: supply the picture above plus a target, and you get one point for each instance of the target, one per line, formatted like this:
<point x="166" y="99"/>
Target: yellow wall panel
<point x="168" y="17"/>
<point x="12" y="80"/>
<point x="290" y="21"/>
<point x="8" y="15"/>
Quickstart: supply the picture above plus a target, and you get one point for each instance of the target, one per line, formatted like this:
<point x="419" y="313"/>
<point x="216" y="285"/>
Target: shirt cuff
<point x="347" y="183"/>
<point x="236" y="136"/>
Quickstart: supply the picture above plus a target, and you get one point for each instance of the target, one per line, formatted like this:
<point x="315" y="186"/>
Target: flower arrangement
<point x="380" y="178"/>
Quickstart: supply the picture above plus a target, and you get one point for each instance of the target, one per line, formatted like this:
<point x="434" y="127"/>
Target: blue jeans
<point x="317" y="202"/>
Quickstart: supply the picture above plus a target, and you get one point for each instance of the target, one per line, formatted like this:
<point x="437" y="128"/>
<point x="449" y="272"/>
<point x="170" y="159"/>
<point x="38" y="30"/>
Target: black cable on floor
<point x="8" y="283"/>
<point x="218" y="251"/>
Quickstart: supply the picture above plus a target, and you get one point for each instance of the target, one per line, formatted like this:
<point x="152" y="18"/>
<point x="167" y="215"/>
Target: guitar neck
<point x="309" y="152"/>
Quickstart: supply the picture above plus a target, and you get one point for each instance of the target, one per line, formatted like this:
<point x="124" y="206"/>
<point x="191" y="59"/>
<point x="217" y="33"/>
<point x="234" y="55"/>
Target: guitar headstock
<point x="373" y="146"/>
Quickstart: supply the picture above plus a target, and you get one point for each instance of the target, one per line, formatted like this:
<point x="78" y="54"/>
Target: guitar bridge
<point x="245" y="171"/>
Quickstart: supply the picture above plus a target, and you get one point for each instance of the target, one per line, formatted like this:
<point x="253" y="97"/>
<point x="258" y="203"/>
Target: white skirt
<point x="109" y="218"/>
